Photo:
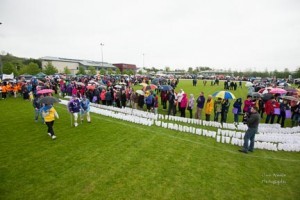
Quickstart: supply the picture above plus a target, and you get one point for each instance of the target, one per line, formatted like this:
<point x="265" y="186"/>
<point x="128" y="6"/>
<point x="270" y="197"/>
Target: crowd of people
<point x="120" y="93"/>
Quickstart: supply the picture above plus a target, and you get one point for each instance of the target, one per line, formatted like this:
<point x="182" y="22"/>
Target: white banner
<point x="8" y="76"/>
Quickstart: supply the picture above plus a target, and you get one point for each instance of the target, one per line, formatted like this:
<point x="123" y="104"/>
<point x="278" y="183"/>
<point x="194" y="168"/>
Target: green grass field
<point x="114" y="159"/>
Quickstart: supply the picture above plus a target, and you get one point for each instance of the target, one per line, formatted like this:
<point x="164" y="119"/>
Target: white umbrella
<point x="140" y="92"/>
<point x="248" y="84"/>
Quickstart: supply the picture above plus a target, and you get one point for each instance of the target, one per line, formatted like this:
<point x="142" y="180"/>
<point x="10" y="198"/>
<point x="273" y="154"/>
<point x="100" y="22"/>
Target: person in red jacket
<point x="183" y="104"/>
<point x="270" y="110"/>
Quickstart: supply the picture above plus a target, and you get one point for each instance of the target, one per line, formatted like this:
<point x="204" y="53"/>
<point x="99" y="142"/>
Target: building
<point x="123" y="67"/>
<point x="74" y="64"/>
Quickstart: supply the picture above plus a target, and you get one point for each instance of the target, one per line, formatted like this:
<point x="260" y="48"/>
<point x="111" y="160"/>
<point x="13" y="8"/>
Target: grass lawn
<point x="114" y="159"/>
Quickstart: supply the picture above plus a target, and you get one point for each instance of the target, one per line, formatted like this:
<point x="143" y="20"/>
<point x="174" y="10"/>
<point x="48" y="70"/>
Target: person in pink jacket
<point x="183" y="105"/>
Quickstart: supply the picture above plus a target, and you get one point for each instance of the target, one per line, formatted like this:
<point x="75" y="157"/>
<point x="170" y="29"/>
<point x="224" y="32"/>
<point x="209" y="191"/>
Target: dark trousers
<point x="50" y="127"/>
<point x="282" y="118"/>
<point x="191" y="113"/>
<point x="249" y="135"/>
<point x="182" y="112"/>
<point x="207" y="117"/>
<point x="270" y="117"/>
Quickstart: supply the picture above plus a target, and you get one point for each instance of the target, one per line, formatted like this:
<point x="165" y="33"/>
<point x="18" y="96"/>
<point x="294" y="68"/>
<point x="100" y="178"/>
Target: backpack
<point x="45" y="113"/>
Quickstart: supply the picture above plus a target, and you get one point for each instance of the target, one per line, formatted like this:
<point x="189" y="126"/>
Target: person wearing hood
<point x="74" y="108"/>
<point x="183" y="104"/>
<point x="85" y="109"/>
<point x="209" y="106"/>
<point x="237" y="109"/>
<point x="49" y="114"/>
<point x="224" y="110"/>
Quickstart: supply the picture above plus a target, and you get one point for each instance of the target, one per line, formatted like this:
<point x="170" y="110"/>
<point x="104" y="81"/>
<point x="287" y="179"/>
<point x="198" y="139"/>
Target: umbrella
<point x="165" y="87"/>
<point x="143" y="84"/>
<point x="291" y="98"/>
<point x="140" y="92"/>
<point x="90" y="87"/>
<point x="45" y="91"/>
<point x="267" y="96"/>
<point x="155" y="81"/>
<point x="278" y="91"/>
<point x="49" y="100"/>
<point x="249" y="84"/>
<point x="80" y="83"/>
<point x="118" y="86"/>
<point x="255" y="95"/>
<point x="150" y="87"/>
<point x="223" y="95"/>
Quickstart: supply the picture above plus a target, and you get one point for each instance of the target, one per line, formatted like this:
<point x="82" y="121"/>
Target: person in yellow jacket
<point x="209" y="106"/>
<point x="49" y="114"/>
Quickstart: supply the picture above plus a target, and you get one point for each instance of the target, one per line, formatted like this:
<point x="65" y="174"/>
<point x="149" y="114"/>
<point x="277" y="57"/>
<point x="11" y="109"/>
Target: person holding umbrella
<point x="37" y="107"/>
<point x="49" y="114"/>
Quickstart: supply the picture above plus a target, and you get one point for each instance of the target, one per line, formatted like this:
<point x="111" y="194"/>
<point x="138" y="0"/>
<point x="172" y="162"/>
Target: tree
<point x="67" y="70"/>
<point x="91" y="70"/>
<point x="167" y="69"/>
<point x="81" y="70"/>
<point x="109" y="71"/>
<point x="190" y="70"/>
<point x="32" y="60"/>
<point x="140" y="71"/>
<point x="296" y="74"/>
<point x="102" y="71"/>
<point x="32" y="68"/>
<point x="118" y="71"/>
<point x="50" y="69"/>
<point x="9" y="68"/>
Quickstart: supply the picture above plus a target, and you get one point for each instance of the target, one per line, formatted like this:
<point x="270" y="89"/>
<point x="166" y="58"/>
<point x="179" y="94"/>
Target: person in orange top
<point x="4" y="90"/>
<point x="15" y="90"/>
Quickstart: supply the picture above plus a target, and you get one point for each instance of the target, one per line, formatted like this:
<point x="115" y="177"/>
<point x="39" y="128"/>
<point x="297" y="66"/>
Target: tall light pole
<point x="101" y="44"/>
<point x="143" y="60"/>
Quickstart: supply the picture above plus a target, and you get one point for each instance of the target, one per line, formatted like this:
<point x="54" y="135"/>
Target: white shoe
<point x="49" y="134"/>
<point x="76" y="124"/>
<point x="53" y="137"/>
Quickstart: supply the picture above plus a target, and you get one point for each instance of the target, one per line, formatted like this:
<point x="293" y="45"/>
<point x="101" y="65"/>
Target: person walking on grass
<point x="85" y="109"/>
<point x="74" y="108"/>
<point x="49" y="114"/>
<point x="37" y="107"/>
<point x="252" y="123"/>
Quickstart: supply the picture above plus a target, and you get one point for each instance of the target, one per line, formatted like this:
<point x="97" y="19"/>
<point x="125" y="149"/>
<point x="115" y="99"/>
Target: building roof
<point x="82" y="62"/>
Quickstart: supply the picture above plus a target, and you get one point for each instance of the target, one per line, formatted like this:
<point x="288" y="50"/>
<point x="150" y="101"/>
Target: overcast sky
<point x="222" y="34"/>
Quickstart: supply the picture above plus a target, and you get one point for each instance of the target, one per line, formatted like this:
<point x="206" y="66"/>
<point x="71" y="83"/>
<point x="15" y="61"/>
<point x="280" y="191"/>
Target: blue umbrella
<point x="165" y="87"/>
<point x="223" y="95"/>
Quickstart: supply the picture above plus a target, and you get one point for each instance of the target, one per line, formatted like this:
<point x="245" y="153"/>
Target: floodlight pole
<point x="102" y="53"/>
<point x="143" y="60"/>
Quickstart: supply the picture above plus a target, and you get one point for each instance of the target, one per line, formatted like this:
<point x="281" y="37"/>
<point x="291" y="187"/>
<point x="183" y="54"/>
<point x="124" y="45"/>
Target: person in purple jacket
<point x="200" y="104"/>
<point x="74" y="108"/>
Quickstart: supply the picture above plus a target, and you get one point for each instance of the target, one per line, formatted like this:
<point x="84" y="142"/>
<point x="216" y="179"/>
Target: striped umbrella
<point x="223" y="95"/>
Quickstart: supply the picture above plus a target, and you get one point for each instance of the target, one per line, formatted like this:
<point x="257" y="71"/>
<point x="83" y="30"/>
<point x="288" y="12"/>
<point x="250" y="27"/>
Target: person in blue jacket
<point x="237" y="110"/>
<point x="85" y="109"/>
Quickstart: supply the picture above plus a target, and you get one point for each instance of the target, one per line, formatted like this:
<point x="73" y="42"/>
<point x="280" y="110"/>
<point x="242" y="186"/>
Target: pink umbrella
<point x="90" y="87"/>
<point x="45" y="91"/>
<point x="278" y="91"/>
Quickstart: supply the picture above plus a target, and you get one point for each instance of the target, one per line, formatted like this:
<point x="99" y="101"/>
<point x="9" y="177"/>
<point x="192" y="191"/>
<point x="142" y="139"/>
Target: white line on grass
<point x="141" y="127"/>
